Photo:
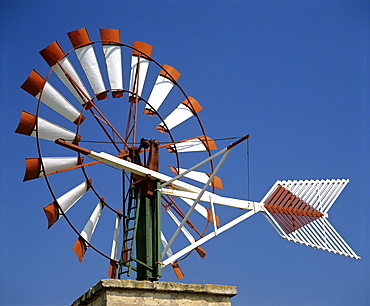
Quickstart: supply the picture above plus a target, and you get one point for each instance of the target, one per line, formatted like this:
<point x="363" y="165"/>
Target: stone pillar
<point x="113" y="292"/>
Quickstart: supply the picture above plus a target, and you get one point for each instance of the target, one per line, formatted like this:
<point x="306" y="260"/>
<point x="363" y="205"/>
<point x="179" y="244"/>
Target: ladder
<point x="130" y="231"/>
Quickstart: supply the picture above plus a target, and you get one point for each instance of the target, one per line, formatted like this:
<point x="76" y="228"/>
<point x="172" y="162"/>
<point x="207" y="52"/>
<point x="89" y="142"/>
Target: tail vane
<point x="298" y="212"/>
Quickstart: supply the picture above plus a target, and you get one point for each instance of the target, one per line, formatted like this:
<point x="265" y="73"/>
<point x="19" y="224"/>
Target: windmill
<point x="122" y="151"/>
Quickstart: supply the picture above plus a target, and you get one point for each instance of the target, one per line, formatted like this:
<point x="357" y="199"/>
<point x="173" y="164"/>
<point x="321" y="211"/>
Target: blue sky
<point x="293" y="74"/>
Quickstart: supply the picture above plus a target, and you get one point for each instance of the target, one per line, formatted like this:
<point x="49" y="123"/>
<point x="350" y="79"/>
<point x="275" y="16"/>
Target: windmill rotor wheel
<point x="89" y="102"/>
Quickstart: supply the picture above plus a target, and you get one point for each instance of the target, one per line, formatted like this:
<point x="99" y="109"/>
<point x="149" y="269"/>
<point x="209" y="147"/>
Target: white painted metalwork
<point x="52" y="164"/>
<point x="90" y="226"/>
<point x="213" y="216"/>
<point x="114" y="250"/>
<point x="193" y="175"/>
<point x="51" y="131"/>
<point x="55" y="100"/>
<point x="199" y="207"/>
<point x="320" y="195"/>
<point x="200" y="194"/>
<point x="113" y="60"/>
<point x="192" y="145"/>
<point x="160" y="91"/>
<point x="86" y="56"/>
<point x="75" y="85"/>
<point x="169" y="252"/>
<point x="183" y="229"/>
<point x="67" y="200"/>
<point x="207" y="237"/>
<point x="180" y="114"/>
<point x="216" y="199"/>
<point x="137" y="80"/>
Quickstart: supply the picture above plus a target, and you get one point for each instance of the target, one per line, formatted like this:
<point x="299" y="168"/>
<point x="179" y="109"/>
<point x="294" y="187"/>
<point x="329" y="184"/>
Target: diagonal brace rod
<point x="191" y="209"/>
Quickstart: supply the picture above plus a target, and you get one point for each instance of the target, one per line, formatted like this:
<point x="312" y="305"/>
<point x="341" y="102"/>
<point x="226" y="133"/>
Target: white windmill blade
<point x="194" y="144"/>
<point x="55" y="210"/>
<point x="169" y="253"/>
<point x="61" y="65"/>
<point x="199" y="177"/>
<point x="298" y="212"/>
<point x="201" y="193"/>
<point x="187" y="234"/>
<point x="141" y="51"/>
<point x="37" y="167"/>
<point x="185" y="110"/>
<point x="114" y="251"/>
<point x="183" y="229"/>
<point x="38" y="87"/>
<point x="113" y="59"/>
<point x="162" y="87"/>
<point x="45" y="129"/>
<point x="86" y="55"/>
<point x="80" y="246"/>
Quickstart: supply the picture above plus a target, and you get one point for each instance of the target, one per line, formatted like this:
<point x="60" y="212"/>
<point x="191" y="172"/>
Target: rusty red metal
<point x="33" y="167"/>
<point x="72" y="146"/>
<point x="143" y="49"/>
<point x="112" y="273"/>
<point x="80" y="248"/>
<point x="27" y="124"/>
<point x="52" y="213"/>
<point x="177" y="270"/>
<point x="52" y="53"/>
<point x="110" y="36"/>
<point x="210" y="217"/>
<point x="79" y="38"/>
<point x="192" y="104"/>
<point x="34" y="83"/>
<point x="207" y="141"/>
<point x="290" y="211"/>
<point x="170" y="73"/>
<point x="201" y="252"/>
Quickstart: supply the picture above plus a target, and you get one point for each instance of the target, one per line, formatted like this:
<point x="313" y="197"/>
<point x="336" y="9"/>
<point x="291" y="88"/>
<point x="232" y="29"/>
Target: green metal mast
<point x="141" y="250"/>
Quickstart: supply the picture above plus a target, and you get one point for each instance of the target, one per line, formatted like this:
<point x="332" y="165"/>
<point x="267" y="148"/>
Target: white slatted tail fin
<point x="298" y="212"/>
<point x="34" y="166"/>
<point x="61" y="65"/>
<point x="80" y="246"/>
<point x="162" y="87"/>
<point x="54" y="210"/>
<point x="193" y="145"/>
<point x="86" y="55"/>
<point x="112" y="272"/>
<point x="181" y="113"/>
<point x="139" y="68"/>
<point x="37" y="86"/>
<point x="45" y="129"/>
<point x="113" y="60"/>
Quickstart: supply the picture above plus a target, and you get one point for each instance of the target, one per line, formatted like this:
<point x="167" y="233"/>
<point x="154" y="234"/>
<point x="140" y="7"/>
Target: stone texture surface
<point x="113" y="292"/>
